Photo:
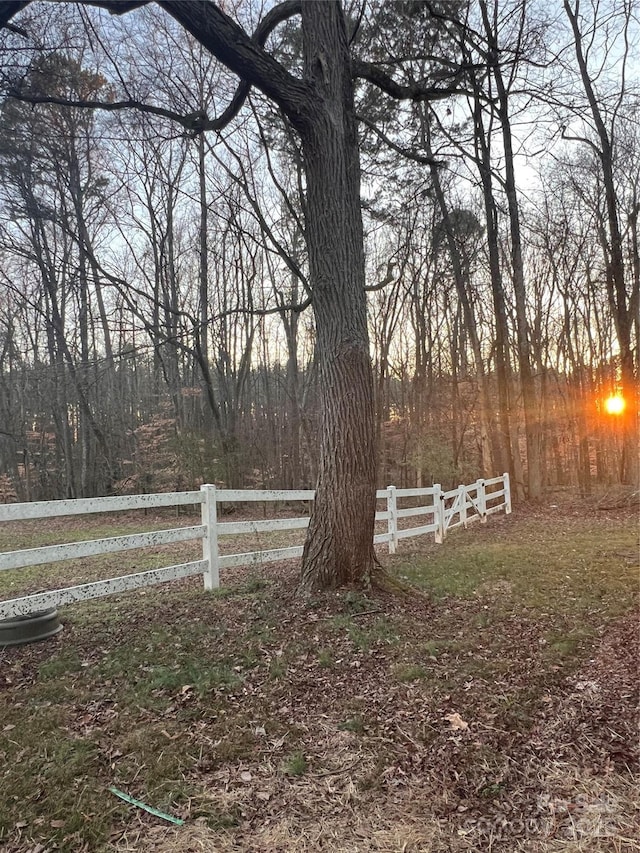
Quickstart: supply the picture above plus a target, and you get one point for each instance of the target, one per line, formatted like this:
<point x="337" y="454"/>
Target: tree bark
<point x="339" y="545"/>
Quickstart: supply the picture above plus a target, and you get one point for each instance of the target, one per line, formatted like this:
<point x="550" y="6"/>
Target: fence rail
<point x="450" y="509"/>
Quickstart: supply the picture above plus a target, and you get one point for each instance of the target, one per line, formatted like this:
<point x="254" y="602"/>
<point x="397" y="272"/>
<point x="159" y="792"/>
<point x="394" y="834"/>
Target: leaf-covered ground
<point x="497" y="711"/>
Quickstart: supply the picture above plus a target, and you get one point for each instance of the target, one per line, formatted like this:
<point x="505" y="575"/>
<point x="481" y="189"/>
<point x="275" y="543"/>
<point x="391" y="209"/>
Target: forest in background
<point x="155" y="330"/>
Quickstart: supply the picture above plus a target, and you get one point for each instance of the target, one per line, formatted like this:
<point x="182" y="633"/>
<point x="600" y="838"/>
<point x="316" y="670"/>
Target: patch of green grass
<point x="374" y="779"/>
<point x="517" y="710"/>
<point x="248" y="658"/>
<point x="548" y="568"/>
<point x="197" y="675"/>
<point x="483" y="620"/>
<point x="357" y="602"/>
<point x="366" y="633"/>
<point x="106" y="617"/>
<point x="222" y="820"/>
<point x="353" y="724"/>
<point x="51" y="781"/>
<point x="158" y="644"/>
<point x="436" y="648"/>
<point x="277" y="668"/>
<point x="295" y="764"/>
<point x="204" y="809"/>
<point x="408" y="672"/>
<point x="492" y="790"/>
<point x="361" y="638"/>
<point x="341" y="622"/>
<point x="64" y="664"/>
<point x="151" y="759"/>
<point x="562" y="645"/>
<point x="325" y="659"/>
<point x="254" y="584"/>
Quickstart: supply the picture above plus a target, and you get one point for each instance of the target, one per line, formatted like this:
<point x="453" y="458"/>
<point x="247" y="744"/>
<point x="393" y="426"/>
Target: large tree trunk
<point x="339" y="545"/>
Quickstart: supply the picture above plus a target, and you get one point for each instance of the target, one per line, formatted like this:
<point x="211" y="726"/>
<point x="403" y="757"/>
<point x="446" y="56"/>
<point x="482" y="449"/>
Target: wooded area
<point x="155" y="313"/>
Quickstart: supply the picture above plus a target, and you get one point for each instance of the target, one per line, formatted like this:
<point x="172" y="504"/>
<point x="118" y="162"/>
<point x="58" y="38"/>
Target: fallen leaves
<point x="456" y="721"/>
<point x="303" y="669"/>
<point x="168" y="736"/>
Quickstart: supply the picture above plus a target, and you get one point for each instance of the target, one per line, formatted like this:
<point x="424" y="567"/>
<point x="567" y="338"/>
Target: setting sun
<point x="614" y="405"/>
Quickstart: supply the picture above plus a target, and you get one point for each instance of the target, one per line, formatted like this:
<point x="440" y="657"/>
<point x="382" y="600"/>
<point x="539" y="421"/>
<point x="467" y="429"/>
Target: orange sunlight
<point x="614" y="405"/>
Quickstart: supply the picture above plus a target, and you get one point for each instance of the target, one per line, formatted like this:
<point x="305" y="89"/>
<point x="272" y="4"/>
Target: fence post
<point x="211" y="576"/>
<point x="462" y="490"/>
<point x="482" y="501"/>
<point x="392" y="521"/>
<point x="438" y="513"/>
<point x="507" y="493"/>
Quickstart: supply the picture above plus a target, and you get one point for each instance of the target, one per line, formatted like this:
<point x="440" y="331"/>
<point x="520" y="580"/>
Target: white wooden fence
<point x="445" y="510"/>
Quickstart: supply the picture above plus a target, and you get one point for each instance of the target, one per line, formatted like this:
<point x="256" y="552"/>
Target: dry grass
<point x="577" y="813"/>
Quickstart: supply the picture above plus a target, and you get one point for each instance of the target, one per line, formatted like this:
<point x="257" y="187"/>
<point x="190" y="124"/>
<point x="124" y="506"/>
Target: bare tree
<point x="622" y="285"/>
<point x="320" y="106"/>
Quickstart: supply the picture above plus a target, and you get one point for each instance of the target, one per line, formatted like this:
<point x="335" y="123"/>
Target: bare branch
<point x="243" y="182"/>
<point x="281" y="189"/>
<point x="277" y="15"/>
<point x="296" y="307"/>
<point x="225" y="39"/>
<point x="583" y="139"/>
<point x="9" y="8"/>
<point x="19" y="31"/>
<point x="243" y="55"/>
<point x="406" y="152"/>
<point x="409" y="91"/>
<point x="389" y="277"/>
<point x="192" y="121"/>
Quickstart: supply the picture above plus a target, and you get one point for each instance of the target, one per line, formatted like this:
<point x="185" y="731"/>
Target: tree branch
<point x="227" y="41"/>
<point x="193" y="122"/>
<point x="280" y="13"/>
<point x="295" y="307"/>
<point x="410" y="155"/>
<point x="583" y="139"/>
<point x="9" y="8"/>
<point x="243" y="182"/>
<point x="389" y="277"/>
<point x="409" y="91"/>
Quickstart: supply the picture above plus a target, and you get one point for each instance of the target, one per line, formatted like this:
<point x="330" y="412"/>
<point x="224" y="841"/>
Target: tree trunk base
<point x="377" y="580"/>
